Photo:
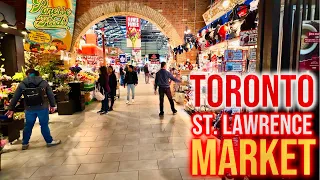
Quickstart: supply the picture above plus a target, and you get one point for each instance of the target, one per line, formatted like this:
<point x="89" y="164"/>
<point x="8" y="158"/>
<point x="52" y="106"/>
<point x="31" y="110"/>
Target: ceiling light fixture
<point x="25" y="31"/>
<point x="4" y="23"/>
<point x="226" y="3"/>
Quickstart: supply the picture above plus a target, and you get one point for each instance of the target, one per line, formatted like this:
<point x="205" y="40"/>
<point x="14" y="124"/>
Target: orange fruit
<point x="60" y="3"/>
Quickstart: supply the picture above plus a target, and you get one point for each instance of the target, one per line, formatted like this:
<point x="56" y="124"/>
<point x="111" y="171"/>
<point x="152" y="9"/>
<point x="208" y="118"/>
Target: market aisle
<point x="129" y="143"/>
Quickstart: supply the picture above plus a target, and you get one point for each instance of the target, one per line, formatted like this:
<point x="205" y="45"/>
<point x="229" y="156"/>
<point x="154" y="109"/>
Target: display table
<point x="76" y="96"/>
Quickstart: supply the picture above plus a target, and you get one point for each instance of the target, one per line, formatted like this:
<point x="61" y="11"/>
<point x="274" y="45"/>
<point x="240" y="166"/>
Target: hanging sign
<point x="133" y="32"/>
<point x="233" y="55"/>
<point x="51" y="25"/>
<point x="136" y="53"/>
<point x="253" y="54"/>
<point x="249" y="38"/>
<point x="122" y="58"/>
<point x="309" y="50"/>
<point x="154" y="58"/>
<point x="234" y="66"/>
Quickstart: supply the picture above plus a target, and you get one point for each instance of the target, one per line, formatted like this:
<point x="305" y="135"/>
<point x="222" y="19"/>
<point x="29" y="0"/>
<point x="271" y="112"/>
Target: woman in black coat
<point x="112" y="85"/>
<point x="103" y="81"/>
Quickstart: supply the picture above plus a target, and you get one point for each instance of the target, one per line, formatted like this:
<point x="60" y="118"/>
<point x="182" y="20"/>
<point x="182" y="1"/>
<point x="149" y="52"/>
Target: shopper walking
<point x="112" y="85"/>
<point x="37" y="93"/>
<point x="162" y="80"/>
<point x="103" y="81"/>
<point x="121" y="75"/>
<point x="146" y="73"/>
<point x="131" y="80"/>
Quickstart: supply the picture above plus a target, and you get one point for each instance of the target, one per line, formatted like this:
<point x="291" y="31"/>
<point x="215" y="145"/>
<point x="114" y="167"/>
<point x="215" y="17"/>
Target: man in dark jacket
<point x="162" y="80"/>
<point x="131" y="80"/>
<point x="146" y="73"/>
<point x="32" y="112"/>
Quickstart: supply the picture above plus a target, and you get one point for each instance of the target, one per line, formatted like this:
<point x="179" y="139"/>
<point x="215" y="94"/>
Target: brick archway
<point x="125" y="8"/>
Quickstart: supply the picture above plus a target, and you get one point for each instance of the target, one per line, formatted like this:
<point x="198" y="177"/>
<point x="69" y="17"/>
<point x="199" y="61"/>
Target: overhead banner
<point x="133" y="32"/>
<point x="136" y="53"/>
<point x="51" y="25"/>
<point x="154" y="58"/>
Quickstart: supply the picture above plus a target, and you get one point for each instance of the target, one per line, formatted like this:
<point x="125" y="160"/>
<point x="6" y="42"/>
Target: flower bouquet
<point x="75" y="70"/>
<point x="62" y="77"/>
<point x="3" y="142"/>
<point x="18" y="116"/>
<point x="5" y="77"/>
<point x="18" y="76"/>
<point x="63" y="88"/>
<point x="62" y="92"/>
<point x="14" y="87"/>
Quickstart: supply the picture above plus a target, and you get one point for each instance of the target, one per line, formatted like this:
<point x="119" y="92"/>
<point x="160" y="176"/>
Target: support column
<point x="268" y="35"/>
<point x="103" y="50"/>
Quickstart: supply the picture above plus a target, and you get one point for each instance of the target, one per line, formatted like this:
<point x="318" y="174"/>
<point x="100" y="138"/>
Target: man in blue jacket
<point x="162" y="80"/>
<point x="32" y="112"/>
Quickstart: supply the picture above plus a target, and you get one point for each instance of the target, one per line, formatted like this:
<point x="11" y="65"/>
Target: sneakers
<point x="127" y="102"/>
<point x="174" y="112"/>
<point x="100" y="111"/>
<point x="25" y="146"/>
<point x="132" y="101"/>
<point x="161" y="114"/>
<point x="103" y="112"/>
<point x="53" y="143"/>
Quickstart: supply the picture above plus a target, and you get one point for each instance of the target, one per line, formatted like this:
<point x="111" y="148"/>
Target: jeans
<point x="167" y="92"/>
<point x="132" y="87"/>
<point x="121" y="79"/>
<point x="105" y="103"/>
<point x="112" y="99"/>
<point x="31" y="117"/>
<point x="147" y="78"/>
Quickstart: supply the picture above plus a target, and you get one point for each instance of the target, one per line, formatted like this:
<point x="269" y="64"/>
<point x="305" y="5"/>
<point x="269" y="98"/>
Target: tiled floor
<point x="129" y="143"/>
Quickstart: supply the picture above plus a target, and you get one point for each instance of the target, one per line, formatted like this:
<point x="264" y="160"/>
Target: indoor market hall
<point x="130" y="143"/>
<point x="159" y="89"/>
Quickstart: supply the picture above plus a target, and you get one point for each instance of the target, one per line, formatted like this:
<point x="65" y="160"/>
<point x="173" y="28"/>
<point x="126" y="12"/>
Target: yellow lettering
<point x="197" y="157"/>
<point x="306" y="152"/>
<point x="285" y="156"/>
<point x="267" y="156"/>
<point x="227" y="148"/>
<point x="248" y="157"/>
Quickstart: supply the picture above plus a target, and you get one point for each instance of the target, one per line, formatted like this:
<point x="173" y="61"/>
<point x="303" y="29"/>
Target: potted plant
<point x="63" y="92"/>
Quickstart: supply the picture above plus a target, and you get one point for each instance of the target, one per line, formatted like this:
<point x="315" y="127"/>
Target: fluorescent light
<point x="226" y="3"/>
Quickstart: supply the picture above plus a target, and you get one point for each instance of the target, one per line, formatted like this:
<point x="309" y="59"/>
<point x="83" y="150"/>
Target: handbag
<point x="97" y="94"/>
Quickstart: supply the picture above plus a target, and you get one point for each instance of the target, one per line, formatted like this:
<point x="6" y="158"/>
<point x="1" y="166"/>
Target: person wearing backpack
<point x="36" y="93"/>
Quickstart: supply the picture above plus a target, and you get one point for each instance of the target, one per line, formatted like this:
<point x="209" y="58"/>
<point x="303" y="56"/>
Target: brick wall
<point x="180" y="13"/>
<point x="174" y="16"/>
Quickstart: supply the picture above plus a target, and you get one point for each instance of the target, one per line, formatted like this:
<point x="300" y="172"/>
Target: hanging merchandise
<point x="250" y="21"/>
<point x="223" y="30"/>
<point x="234" y="30"/>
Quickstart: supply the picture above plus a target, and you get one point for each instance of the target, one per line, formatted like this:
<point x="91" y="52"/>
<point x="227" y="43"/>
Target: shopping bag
<point x="97" y="94"/>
